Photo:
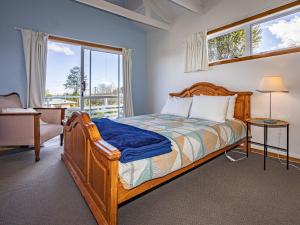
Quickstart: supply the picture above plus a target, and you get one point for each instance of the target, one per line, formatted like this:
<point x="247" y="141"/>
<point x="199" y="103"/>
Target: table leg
<point x="266" y="141"/>
<point x="265" y="145"/>
<point x="247" y="139"/>
<point x="287" y="146"/>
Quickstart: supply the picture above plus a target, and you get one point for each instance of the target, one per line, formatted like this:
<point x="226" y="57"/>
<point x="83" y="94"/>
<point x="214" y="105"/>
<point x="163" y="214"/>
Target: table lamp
<point x="271" y="84"/>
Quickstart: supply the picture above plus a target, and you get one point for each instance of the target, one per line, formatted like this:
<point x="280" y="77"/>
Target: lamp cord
<point x="236" y="150"/>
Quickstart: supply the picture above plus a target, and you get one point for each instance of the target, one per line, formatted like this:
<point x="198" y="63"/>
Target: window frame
<point x="247" y="24"/>
<point x="92" y="47"/>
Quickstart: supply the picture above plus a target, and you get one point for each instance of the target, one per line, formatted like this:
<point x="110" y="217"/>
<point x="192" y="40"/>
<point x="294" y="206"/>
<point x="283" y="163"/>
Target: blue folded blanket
<point x="134" y="143"/>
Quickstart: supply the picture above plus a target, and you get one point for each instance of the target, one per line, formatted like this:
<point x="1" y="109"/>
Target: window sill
<point x="257" y="56"/>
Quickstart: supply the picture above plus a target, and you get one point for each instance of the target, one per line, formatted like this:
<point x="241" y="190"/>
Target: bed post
<point x="93" y="164"/>
<point x="247" y="115"/>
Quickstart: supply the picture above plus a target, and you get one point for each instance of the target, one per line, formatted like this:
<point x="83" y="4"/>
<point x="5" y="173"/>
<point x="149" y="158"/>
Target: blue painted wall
<point x="70" y="19"/>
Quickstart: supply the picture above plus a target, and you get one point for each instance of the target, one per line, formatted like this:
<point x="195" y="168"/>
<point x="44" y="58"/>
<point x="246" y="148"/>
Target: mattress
<point x="192" y="139"/>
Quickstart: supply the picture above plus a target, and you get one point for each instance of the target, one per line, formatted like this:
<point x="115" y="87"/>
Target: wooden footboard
<point x="93" y="163"/>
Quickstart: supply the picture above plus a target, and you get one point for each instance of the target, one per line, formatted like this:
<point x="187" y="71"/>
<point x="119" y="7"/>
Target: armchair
<point x="30" y="127"/>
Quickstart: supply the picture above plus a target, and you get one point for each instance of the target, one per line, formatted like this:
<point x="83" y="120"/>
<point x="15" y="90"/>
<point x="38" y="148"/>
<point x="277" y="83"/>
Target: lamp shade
<point x="272" y="84"/>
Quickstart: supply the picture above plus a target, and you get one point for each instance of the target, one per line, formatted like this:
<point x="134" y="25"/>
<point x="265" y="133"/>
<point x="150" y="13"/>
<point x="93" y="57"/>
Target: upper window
<point x="276" y="33"/>
<point x="268" y="34"/>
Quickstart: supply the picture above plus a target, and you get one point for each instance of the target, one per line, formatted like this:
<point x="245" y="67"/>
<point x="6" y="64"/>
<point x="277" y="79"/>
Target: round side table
<point x="263" y="122"/>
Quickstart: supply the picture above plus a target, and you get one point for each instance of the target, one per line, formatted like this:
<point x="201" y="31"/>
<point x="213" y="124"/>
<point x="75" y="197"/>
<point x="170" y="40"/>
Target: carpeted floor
<point x="219" y="192"/>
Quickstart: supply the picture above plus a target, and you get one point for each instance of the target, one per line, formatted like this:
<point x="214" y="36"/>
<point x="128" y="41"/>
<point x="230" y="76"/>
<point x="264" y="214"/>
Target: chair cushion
<point x="49" y="131"/>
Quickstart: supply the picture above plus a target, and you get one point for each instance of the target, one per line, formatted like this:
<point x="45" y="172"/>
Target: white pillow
<point x="21" y="110"/>
<point x="231" y="106"/>
<point x="212" y="108"/>
<point x="18" y="110"/>
<point x="177" y="106"/>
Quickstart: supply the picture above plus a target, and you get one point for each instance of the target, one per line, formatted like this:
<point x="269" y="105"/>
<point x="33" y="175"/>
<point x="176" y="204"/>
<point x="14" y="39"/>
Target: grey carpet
<point x="217" y="193"/>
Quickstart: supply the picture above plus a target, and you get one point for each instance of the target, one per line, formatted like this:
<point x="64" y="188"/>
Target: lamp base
<point x="270" y="121"/>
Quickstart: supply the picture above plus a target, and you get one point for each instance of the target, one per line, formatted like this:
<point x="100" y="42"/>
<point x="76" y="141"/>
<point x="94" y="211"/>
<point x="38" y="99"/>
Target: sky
<point x="63" y="57"/>
<point x="280" y="33"/>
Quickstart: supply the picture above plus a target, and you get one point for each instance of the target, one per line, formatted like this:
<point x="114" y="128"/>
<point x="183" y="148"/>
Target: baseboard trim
<point x="275" y="155"/>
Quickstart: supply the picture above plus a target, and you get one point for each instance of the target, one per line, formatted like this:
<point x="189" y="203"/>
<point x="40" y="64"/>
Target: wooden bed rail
<point x="93" y="163"/>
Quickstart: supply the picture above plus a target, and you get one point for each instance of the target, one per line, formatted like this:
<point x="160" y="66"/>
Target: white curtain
<point x="196" y="55"/>
<point x="127" y="68"/>
<point x="35" y="51"/>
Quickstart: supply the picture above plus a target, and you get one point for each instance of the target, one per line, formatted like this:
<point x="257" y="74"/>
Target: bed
<point x="105" y="182"/>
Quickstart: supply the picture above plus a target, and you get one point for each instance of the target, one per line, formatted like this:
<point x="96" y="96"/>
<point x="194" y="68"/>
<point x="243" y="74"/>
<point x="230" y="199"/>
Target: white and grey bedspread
<point x="191" y="139"/>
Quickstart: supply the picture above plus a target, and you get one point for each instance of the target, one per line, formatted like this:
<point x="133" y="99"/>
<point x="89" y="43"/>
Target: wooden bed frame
<point x="93" y="163"/>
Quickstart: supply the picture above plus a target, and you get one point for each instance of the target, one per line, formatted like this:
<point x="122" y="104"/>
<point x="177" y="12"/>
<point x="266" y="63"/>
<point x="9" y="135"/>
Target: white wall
<point x="165" y="67"/>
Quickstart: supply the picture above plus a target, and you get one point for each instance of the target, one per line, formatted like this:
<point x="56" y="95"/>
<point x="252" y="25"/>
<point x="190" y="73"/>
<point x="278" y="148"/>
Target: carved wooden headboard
<point x="242" y="105"/>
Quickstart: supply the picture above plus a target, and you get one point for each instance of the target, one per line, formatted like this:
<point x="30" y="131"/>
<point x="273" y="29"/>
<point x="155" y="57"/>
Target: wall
<point x="70" y="19"/>
<point x="165" y="67"/>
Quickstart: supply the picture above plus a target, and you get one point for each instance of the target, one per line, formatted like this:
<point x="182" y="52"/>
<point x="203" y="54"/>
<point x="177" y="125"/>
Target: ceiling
<point x="155" y="13"/>
<point x="169" y="8"/>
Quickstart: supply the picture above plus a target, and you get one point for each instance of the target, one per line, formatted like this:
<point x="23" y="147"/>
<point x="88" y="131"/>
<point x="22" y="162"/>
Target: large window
<point x="84" y="78"/>
<point x="270" y="33"/>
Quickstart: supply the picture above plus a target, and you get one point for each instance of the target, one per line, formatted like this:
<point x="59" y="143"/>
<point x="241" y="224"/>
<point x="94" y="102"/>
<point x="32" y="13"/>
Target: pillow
<point x="21" y="110"/>
<point x="177" y="106"/>
<point x="212" y="108"/>
<point x="231" y="106"/>
<point x="18" y="110"/>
